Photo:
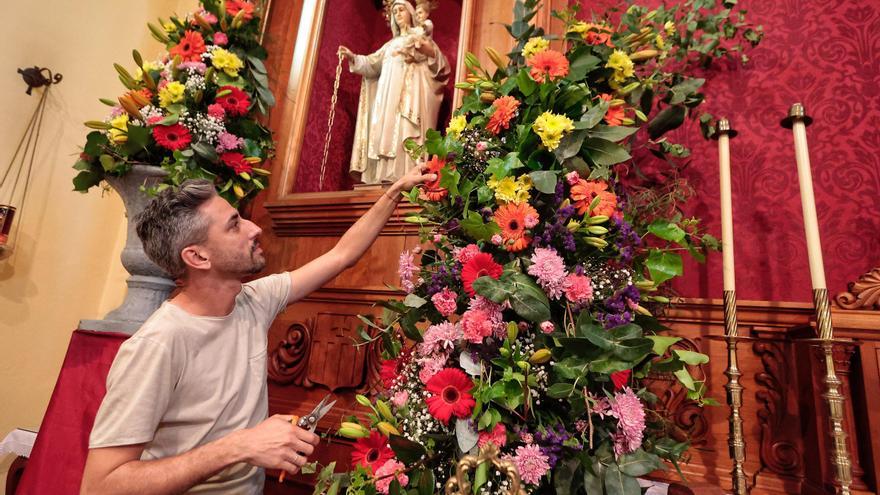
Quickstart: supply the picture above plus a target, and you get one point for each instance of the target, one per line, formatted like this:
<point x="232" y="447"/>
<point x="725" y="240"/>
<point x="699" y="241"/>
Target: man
<point x="186" y="401"/>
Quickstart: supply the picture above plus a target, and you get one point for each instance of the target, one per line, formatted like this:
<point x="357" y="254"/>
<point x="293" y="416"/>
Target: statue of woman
<point x="400" y="98"/>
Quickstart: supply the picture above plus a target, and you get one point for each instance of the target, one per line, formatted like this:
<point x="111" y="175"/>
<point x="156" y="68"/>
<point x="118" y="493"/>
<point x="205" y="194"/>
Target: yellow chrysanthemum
<point x="118" y="134"/>
<point x="535" y="45"/>
<point x="622" y="65"/>
<point x="169" y="27"/>
<point x="510" y="190"/>
<point x="226" y="61"/>
<point x="148" y="67"/>
<point x="669" y="27"/>
<point x="171" y="93"/>
<point x="551" y="128"/>
<point x="456" y="125"/>
<point x="660" y="42"/>
<point x="579" y="27"/>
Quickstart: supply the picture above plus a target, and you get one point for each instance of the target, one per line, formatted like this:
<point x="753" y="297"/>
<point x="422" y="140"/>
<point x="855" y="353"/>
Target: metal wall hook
<point x="34" y="77"/>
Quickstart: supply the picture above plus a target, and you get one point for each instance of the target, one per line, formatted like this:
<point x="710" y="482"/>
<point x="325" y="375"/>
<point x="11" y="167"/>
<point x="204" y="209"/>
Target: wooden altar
<point x="310" y="344"/>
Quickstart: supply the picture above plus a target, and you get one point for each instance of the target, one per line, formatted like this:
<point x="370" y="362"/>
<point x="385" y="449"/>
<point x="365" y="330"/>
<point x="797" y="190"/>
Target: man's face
<point x="233" y="243"/>
<point x="401" y="16"/>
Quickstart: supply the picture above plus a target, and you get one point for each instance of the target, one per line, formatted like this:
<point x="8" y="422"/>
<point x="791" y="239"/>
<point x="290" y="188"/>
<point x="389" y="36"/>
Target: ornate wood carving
<point x="689" y="421"/>
<point x="778" y="454"/>
<point x="322" y="351"/>
<point x="289" y="360"/>
<point x="863" y="293"/>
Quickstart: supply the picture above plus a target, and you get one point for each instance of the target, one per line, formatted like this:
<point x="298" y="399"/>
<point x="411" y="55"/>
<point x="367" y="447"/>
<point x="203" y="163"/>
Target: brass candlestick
<point x="797" y="121"/>
<point x="735" y="439"/>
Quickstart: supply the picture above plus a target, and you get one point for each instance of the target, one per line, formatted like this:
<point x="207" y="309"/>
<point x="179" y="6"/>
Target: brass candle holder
<point x="736" y="438"/>
<point x="797" y="121"/>
<point x="460" y="484"/>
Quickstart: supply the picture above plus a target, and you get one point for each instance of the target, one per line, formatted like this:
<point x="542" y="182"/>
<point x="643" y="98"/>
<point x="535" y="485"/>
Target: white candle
<point x="726" y="206"/>
<point x="808" y="200"/>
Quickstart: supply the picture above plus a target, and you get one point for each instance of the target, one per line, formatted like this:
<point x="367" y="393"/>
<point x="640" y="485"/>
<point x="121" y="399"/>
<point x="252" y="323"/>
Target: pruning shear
<point x="310" y="421"/>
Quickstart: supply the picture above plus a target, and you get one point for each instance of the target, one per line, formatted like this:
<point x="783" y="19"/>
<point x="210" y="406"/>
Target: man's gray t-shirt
<point x="182" y="381"/>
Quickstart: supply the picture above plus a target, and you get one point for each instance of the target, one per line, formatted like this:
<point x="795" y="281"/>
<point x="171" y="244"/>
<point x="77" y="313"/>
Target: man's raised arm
<point x="355" y="242"/>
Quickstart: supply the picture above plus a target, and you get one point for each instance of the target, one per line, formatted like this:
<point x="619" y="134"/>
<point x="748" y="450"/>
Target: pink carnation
<point x="228" y="142"/>
<point x="383" y="480"/>
<point x="431" y="365"/>
<point x="572" y="178"/>
<point x="549" y="268"/>
<point x="497" y="239"/>
<point x="437" y="238"/>
<point x="444" y="301"/>
<point x="199" y="67"/>
<point x="439" y="338"/>
<point x="207" y="16"/>
<point x="155" y="119"/>
<point x="531" y="463"/>
<point x="547" y="327"/>
<point x="578" y="288"/>
<point x="220" y="39"/>
<point x="526" y="437"/>
<point x="630" y="414"/>
<point x="399" y="399"/>
<point x="216" y="110"/>
<point x="482" y="319"/>
<point x="531" y="220"/>
<point x="498" y="436"/>
<point x="465" y="254"/>
<point x="406" y="268"/>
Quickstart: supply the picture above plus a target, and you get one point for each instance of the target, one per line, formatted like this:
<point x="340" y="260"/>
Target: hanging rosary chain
<point x="330" y="122"/>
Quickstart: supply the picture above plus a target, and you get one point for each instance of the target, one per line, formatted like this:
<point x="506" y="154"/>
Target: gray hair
<point x="171" y="221"/>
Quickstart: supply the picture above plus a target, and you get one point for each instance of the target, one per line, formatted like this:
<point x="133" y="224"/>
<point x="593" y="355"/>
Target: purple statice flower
<point x="559" y="194"/>
<point x="627" y="241"/>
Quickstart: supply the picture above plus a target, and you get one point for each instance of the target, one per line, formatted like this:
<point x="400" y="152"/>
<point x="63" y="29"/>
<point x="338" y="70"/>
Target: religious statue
<point x="401" y="93"/>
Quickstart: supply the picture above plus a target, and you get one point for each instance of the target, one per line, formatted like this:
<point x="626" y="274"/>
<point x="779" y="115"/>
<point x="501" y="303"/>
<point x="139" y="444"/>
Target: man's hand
<point x="416" y="175"/>
<point x="276" y="444"/>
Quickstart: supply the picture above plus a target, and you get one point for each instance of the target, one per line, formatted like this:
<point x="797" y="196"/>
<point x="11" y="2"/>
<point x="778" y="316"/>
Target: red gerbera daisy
<point x="584" y="192"/>
<point x="505" y="109"/>
<point x="432" y="190"/>
<point x="236" y="102"/>
<point x="233" y="6"/>
<point x="548" y="63"/>
<point x="172" y="137"/>
<point x="190" y="48"/>
<point x="481" y="265"/>
<point x="620" y="378"/>
<point x="236" y="162"/>
<point x="371" y="452"/>
<point x="512" y="220"/>
<point x="451" y="395"/>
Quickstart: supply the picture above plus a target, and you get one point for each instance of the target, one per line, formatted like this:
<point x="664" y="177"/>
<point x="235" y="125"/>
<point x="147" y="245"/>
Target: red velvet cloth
<point x="361" y="27"/>
<point x="59" y="455"/>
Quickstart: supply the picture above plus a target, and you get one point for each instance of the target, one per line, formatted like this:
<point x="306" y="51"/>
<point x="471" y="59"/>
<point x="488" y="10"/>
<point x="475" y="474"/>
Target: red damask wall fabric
<point x="360" y="26"/>
<point x="59" y="455"/>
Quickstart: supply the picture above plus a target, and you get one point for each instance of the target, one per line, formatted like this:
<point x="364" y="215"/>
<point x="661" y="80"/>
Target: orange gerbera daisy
<point x="512" y="220"/>
<point x="584" y="192"/>
<point x="233" y="6"/>
<point x="432" y="190"/>
<point x="505" y="109"/>
<point x="614" y="115"/>
<point x="548" y="63"/>
<point x="190" y="48"/>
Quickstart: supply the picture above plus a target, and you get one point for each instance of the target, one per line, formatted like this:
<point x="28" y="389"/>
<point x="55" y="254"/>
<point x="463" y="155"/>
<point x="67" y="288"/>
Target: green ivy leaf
<point x="86" y="179"/>
<point x="690" y="357"/>
<point x="667" y="230"/>
<point x="663" y="265"/>
<point x="662" y="343"/>
<point x="138" y="137"/>
<point x="95" y="140"/>
<point x="544" y="180"/>
<point x="560" y="390"/>
<point x="107" y="162"/>
<point x="474" y="227"/>
<point x="500" y="168"/>
<point x="526" y="84"/>
<point x="414" y="301"/>
<point x="685" y="378"/>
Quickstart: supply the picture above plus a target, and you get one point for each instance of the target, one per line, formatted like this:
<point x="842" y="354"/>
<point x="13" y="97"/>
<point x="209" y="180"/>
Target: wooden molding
<point x="331" y="214"/>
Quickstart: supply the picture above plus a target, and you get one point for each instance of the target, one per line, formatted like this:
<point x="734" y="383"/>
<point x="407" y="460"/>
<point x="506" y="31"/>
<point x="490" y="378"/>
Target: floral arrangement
<point x="528" y="320"/>
<point x="194" y="112"/>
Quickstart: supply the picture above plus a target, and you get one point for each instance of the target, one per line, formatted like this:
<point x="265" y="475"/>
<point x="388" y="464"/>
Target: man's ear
<point x="196" y="257"/>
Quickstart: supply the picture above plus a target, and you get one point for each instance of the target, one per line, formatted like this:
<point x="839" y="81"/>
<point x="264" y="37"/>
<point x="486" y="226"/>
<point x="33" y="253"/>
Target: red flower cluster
<point x="598" y="34"/>
<point x="481" y="265"/>
<point x="505" y="110"/>
<point x="172" y="137"/>
<point x="548" y="64"/>
<point x="236" y="162"/>
<point x="236" y="102"/>
<point x="371" y="452"/>
<point x="190" y="48"/>
<point x="451" y="395"/>
<point x="234" y="6"/>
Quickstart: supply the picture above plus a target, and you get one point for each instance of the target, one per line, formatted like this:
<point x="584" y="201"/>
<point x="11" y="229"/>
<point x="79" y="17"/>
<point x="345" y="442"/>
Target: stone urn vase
<point x="148" y="285"/>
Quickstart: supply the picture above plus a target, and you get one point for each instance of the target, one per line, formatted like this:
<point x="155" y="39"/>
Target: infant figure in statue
<point x="400" y="97"/>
